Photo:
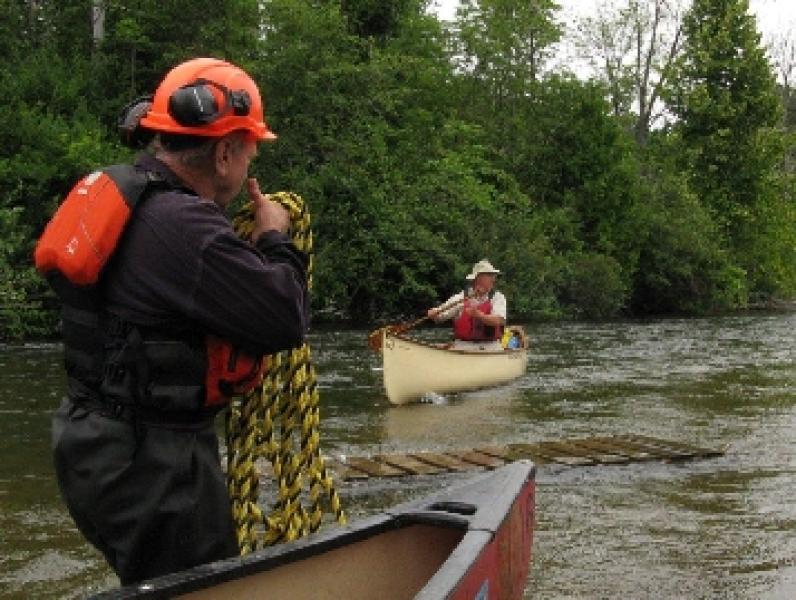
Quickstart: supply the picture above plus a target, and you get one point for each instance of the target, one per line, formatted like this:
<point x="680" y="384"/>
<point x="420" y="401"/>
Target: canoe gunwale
<point x="449" y="348"/>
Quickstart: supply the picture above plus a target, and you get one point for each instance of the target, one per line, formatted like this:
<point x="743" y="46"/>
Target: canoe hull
<point x="413" y="368"/>
<point x="501" y="569"/>
<point x="471" y="539"/>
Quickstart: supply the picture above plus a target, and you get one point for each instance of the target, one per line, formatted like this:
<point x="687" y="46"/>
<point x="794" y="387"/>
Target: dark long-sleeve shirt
<point x="180" y="265"/>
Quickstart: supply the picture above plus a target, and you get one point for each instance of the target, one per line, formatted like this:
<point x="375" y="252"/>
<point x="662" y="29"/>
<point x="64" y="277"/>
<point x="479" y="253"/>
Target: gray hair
<point x="193" y="151"/>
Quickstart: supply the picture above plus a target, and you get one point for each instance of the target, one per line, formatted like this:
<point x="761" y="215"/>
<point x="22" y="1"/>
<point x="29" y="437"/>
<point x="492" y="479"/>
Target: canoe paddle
<point x="376" y="336"/>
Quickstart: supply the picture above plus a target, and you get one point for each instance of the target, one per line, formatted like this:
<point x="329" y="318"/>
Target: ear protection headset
<point x="192" y="105"/>
<point x="195" y="105"/>
<point x="130" y="132"/>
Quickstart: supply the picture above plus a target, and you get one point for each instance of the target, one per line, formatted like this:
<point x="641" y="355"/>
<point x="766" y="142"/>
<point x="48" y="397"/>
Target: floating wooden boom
<point x="607" y="450"/>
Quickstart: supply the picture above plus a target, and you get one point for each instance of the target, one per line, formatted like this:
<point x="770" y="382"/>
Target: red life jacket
<point x="119" y="361"/>
<point x="468" y="329"/>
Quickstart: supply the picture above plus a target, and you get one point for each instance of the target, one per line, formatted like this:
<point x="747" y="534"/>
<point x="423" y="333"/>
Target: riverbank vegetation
<point x="665" y="183"/>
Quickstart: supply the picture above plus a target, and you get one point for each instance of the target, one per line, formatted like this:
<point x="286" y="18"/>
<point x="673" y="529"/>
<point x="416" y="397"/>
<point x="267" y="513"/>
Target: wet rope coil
<point x="279" y="422"/>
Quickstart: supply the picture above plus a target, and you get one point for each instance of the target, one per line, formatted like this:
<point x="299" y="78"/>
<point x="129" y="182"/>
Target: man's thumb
<point x="254" y="189"/>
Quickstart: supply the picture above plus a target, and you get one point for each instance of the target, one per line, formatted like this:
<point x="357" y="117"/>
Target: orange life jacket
<point x="117" y="360"/>
<point x="469" y="329"/>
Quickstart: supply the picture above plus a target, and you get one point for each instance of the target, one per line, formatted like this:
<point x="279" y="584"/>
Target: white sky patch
<point x="776" y="19"/>
<point x="773" y="16"/>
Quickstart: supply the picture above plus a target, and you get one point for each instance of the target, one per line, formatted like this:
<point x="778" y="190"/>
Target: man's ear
<point x="222" y="155"/>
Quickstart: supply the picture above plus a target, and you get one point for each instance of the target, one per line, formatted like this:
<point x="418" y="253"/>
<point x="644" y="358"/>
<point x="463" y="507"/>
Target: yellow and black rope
<point x="279" y="422"/>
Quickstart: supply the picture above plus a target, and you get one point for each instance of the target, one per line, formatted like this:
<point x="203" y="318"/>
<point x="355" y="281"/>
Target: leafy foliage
<point x="683" y="266"/>
<point x="422" y="148"/>
<point x="729" y="109"/>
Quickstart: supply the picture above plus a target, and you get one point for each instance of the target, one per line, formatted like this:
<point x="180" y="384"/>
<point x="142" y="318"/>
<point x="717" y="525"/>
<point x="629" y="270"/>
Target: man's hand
<point x="268" y="215"/>
<point x="474" y="312"/>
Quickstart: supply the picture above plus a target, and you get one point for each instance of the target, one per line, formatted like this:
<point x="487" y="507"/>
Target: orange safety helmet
<point x="208" y="97"/>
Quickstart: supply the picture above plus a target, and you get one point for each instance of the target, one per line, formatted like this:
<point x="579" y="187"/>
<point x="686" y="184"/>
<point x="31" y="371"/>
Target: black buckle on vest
<point x="115" y="372"/>
<point x="117" y="327"/>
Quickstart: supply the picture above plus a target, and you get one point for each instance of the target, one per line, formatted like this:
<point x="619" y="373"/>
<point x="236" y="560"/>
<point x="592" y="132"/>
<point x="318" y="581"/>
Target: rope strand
<point x="279" y="421"/>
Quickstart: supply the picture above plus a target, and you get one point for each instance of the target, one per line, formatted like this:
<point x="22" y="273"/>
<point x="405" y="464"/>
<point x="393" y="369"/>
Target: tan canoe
<point x="467" y="541"/>
<point x="413" y="368"/>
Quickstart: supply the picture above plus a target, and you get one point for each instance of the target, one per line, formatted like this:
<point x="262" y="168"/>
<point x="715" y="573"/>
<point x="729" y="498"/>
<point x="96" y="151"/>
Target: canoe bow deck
<point x="413" y="368"/>
<point x="470" y="541"/>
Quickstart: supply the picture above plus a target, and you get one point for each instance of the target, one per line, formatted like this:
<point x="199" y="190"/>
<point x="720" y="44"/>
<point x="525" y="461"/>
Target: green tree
<point x="421" y="150"/>
<point x="16" y="23"/>
<point x="684" y="265"/>
<point x="143" y="39"/>
<point x="63" y="89"/>
<point x="725" y="97"/>
<point x="575" y="155"/>
<point x="500" y="49"/>
<point x="377" y="19"/>
<point x="504" y="43"/>
<point x="632" y="50"/>
<point x="368" y="137"/>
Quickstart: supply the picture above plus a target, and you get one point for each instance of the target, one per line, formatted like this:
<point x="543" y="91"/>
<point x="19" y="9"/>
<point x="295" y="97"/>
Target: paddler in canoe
<point x="481" y="355"/>
<point x="479" y="317"/>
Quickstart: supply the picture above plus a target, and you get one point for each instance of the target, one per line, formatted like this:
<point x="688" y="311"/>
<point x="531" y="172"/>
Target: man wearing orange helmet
<point x="177" y="322"/>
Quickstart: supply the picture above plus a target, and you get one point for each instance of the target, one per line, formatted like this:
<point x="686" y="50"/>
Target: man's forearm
<point x="492" y="320"/>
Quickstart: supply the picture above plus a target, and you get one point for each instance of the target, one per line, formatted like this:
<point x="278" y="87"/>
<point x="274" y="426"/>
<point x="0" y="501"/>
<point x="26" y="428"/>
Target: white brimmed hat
<point x="482" y="266"/>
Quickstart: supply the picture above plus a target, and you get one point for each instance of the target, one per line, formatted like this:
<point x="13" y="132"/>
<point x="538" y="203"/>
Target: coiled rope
<point x="279" y="421"/>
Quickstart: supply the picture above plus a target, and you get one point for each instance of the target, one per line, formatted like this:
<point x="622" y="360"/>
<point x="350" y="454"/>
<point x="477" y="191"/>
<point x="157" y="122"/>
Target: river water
<point x="722" y="527"/>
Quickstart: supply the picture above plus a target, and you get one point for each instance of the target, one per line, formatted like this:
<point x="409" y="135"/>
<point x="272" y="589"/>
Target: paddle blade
<point x="376" y="337"/>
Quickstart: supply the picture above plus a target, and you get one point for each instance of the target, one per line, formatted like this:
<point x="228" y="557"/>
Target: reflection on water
<point x="472" y="420"/>
<point x="724" y="527"/>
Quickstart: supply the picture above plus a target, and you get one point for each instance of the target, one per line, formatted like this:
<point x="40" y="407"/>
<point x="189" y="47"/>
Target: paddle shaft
<point x="375" y="337"/>
<point x="442" y="309"/>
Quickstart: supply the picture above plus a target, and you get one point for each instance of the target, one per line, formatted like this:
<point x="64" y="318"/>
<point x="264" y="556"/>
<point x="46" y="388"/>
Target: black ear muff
<point x="193" y="105"/>
<point x="131" y="133"/>
<point x="241" y="102"/>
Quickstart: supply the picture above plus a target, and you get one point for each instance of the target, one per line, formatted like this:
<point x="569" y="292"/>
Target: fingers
<point x="268" y="215"/>
<point x="253" y="188"/>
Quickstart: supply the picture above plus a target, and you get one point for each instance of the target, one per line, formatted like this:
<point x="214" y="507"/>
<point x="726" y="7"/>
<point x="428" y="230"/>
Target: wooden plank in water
<point x="686" y="449"/>
<point x="345" y="471"/>
<point x="660" y="448"/>
<point x="373" y="468"/>
<point x="547" y="455"/>
<point x="519" y="451"/>
<point x="614" y="446"/>
<point x="573" y="447"/>
<point x="640" y="450"/>
<point x="409" y="464"/>
<point x="564" y="453"/>
<point x="617" y="449"/>
<point x="443" y="460"/>
<point x="476" y="458"/>
<point x="501" y="452"/>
